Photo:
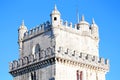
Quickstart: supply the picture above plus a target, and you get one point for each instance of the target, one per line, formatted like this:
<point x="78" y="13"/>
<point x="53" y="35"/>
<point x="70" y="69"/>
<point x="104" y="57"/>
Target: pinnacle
<point x="55" y="7"/>
<point x="22" y="23"/>
<point x="82" y="18"/>
<point x="93" y="21"/>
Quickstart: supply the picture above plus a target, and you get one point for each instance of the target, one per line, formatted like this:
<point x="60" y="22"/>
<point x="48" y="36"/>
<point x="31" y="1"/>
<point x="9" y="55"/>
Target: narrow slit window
<point x="81" y="74"/>
<point x="32" y="76"/>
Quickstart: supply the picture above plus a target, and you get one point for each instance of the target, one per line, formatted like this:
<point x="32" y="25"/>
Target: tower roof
<point x="93" y="23"/>
<point x="55" y="11"/>
<point x="22" y="26"/>
<point x="83" y="21"/>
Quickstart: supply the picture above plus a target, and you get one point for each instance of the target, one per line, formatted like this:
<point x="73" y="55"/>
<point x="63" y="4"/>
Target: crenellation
<point x="15" y="64"/>
<point x="47" y="23"/>
<point x="43" y="27"/>
<point x="69" y="54"/>
<point x="25" y="60"/>
<point x="75" y="26"/>
<point x="101" y="61"/>
<point x="20" y="62"/>
<point x="89" y="57"/>
<point x="37" y="30"/>
<point x="32" y="58"/>
<point x="66" y="23"/>
<point x="10" y="66"/>
<point x="70" y="24"/>
<point x="30" y="32"/>
<point x="61" y="22"/>
<point x="25" y="34"/>
<point x="33" y="31"/>
<point x="95" y="59"/>
<point x="107" y="61"/>
<point x="82" y="58"/>
<point x="74" y="53"/>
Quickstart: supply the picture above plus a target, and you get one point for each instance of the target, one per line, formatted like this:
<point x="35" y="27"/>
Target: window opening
<point x="55" y="18"/>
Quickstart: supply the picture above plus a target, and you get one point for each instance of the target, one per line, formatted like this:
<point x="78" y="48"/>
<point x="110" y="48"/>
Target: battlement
<point x="66" y="54"/>
<point x="32" y="59"/>
<point x="69" y="27"/>
<point x="37" y="30"/>
<point x="87" y="59"/>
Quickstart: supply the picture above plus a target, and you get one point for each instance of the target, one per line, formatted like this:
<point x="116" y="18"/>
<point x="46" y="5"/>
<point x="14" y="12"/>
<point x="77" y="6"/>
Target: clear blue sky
<point x="34" y="12"/>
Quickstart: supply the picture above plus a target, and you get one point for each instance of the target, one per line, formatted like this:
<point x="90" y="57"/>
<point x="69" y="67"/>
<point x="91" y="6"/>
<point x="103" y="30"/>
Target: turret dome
<point x="83" y="22"/>
<point x="55" y="17"/>
<point x="55" y="11"/>
<point x="93" y="24"/>
<point x="22" y="26"/>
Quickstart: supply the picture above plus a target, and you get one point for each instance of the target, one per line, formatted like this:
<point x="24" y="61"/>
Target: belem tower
<point x="58" y="50"/>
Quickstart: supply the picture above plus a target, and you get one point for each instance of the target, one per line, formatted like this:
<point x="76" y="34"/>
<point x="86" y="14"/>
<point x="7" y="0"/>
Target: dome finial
<point x="22" y="26"/>
<point x="93" y="21"/>
<point x="22" y="22"/>
<point x="82" y="18"/>
<point x="55" y="7"/>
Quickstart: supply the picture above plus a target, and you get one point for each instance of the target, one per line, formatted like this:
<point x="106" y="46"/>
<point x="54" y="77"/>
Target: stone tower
<point x="57" y="50"/>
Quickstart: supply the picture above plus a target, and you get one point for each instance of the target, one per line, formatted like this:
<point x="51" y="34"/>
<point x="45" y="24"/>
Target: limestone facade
<point x="57" y="50"/>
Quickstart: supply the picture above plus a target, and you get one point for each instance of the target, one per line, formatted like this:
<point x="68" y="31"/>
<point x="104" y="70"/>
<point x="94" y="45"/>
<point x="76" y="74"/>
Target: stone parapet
<point x="32" y="59"/>
<point x="37" y="30"/>
<point x="82" y="59"/>
<point x="64" y="56"/>
<point x="47" y="26"/>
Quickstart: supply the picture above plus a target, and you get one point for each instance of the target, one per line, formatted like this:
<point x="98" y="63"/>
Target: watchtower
<point x="57" y="50"/>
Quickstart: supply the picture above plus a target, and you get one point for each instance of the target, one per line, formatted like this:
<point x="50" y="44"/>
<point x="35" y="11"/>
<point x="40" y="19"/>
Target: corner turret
<point x="55" y="17"/>
<point x="22" y="29"/>
<point x="94" y="30"/>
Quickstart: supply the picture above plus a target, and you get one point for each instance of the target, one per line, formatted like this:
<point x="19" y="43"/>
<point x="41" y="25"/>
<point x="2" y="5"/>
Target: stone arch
<point x="36" y="49"/>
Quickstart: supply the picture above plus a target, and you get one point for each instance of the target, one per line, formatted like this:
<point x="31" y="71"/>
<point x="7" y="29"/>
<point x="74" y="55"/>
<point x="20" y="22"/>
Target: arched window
<point x="33" y="76"/>
<point x="55" y="18"/>
<point x="36" y="49"/>
<point x="79" y="75"/>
